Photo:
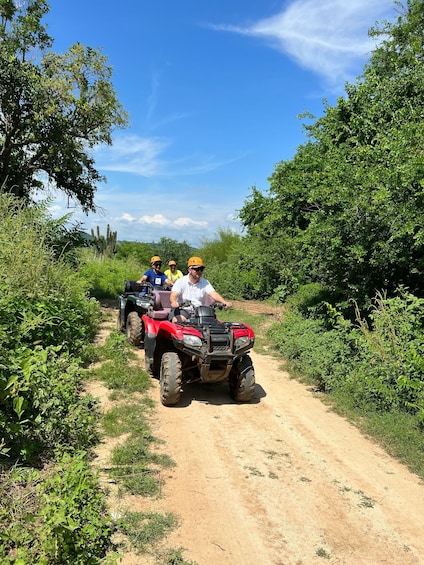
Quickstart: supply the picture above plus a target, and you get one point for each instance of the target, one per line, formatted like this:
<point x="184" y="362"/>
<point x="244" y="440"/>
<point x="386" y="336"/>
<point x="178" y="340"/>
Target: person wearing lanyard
<point x="154" y="276"/>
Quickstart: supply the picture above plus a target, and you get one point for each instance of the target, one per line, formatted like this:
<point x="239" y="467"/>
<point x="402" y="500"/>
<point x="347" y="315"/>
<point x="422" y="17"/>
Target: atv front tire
<point x="134" y="330"/>
<point x="242" y="380"/>
<point x="170" y="378"/>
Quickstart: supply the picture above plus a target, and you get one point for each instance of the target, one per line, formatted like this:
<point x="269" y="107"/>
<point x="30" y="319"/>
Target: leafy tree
<point x="54" y="108"/>
<point x="346" y="211"/>
<point x="169" y="249"/>
<point x="142" y="252"/>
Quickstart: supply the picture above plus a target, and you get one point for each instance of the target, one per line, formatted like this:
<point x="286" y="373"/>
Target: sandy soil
<point x="281" y="481"/>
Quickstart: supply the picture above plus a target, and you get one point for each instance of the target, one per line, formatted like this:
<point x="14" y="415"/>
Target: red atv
<point x="201" y="349"/>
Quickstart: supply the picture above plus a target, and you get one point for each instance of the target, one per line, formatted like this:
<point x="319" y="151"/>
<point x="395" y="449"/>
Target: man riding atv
<point x="185" y="342"/>
<point x="192" y="288"/>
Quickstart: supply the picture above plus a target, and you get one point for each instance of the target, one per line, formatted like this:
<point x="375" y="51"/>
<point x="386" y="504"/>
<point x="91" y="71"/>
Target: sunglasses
<point x="157" y="264"/>
<point x="198" y="268"/>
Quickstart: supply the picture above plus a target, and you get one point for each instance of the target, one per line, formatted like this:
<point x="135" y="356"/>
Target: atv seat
<point x="162" y="305"/>
<point x="133" y="287"/>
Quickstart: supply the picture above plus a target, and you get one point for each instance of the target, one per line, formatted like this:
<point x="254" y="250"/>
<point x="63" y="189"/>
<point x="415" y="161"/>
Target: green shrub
<point x="105" y="279"/>
<point x="322" y="356"/>
<point x="43" y="409"/>
<point x="378" y="364"/>
<point x="389" y="372"/>
<point x="64" y="513"/>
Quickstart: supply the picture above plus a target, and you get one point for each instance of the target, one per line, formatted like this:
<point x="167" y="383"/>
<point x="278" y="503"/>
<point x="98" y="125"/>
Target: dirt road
<point x="282" y="481"/>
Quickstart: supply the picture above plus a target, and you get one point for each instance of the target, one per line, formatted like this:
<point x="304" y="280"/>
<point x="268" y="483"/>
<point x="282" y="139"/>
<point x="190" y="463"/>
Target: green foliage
<point x="346" y="210"/>
<point x="241" y="267"/>
<point x="42" y="405"/>
<point x="105" y="279"/>
<point x="46" y="319"/>
<point x="218" y="250"/>
<point x="55" y="108"/>
<point x="377" y="364"/>
<point x="169" y="249"/>
<point x="390" y="362"/>
<point x="320" y="355"/>
<point x="64" y="513"/>
<point x="139" y="252"/>
<point x="166" y="248"/>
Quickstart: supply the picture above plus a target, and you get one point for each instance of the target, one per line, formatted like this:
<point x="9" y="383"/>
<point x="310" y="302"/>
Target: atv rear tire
<point x="170" y="378"/>
<point x="242" y="381"/>
<point x="134" y="329"/>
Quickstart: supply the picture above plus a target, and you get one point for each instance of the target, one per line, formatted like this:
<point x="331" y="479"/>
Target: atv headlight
<point x="192" y="340"/>
<point x="241" y="342"/>
<point x="142" y="303"/>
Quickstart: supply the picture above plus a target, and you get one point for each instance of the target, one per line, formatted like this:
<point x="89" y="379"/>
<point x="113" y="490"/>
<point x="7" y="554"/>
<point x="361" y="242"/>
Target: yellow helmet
<point x="195" y="262"/>
<point x="171" y="263"/>
<point x="155" y="259"/>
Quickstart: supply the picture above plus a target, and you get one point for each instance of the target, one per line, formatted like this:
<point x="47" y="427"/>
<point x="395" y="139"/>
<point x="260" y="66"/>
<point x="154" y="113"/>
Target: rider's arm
<point x="218" y="298"/>
<point x="173" y="298"/>
<point x="142" y="279"/>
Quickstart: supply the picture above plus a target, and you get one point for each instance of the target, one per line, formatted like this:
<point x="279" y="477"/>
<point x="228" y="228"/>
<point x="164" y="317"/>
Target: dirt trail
<point x="282" y="481"/>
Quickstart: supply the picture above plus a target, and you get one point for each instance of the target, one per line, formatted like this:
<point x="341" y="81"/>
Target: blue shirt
<point x="155" y="279"/>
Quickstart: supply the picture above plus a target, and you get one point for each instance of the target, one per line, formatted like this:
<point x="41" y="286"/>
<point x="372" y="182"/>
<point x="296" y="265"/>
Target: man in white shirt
<point x="193" y="288"/>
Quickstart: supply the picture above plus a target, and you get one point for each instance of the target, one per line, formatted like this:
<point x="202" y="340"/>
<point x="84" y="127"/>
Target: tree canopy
<point x="54" y="108"/>
<point x="347" y="210"/>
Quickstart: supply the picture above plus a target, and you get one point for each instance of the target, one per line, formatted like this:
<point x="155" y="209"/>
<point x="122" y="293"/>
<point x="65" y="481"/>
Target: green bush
<point x="105" y="279"/>
<point x="378" y="364"/>
<point x="389" y="371"/>
<point x="322" y="356"/>
<point x="46" y="325"/>
<point x="43" y="409"/>
<point x="64" y="513"/>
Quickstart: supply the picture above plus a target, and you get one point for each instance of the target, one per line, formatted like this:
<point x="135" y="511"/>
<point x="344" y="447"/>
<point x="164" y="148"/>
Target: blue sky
<point x="213" y="90"/>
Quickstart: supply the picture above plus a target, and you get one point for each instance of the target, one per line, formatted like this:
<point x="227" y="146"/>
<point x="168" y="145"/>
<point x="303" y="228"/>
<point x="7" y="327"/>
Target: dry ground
<point x="280" y="481"/>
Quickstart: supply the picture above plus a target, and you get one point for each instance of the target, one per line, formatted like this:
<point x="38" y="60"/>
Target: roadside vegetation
<point x="53" y="506"/>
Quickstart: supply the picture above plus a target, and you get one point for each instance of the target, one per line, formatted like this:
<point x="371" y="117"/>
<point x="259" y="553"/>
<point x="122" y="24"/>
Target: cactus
<point x="104" y="246"/>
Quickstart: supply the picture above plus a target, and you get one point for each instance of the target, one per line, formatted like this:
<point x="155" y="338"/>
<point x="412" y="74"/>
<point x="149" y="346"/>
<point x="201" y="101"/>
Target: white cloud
<point x="329" y="37"/>
<point x="158" y="219"/>
<point x="132" y="154"/>
<point x="148" y="157"/>
<point x="186" y="222"/>
<point x="127" y="217"/>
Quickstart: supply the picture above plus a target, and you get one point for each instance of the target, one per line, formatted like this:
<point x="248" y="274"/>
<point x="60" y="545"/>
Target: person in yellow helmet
<point x="154" y="275"/>
<point x="172" y="272"/>
<point x="193" y="288"/>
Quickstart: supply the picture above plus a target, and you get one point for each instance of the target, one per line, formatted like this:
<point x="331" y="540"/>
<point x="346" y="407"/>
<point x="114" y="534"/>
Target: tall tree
<point x="54" y="108"/>
<point x="347" y="210"/>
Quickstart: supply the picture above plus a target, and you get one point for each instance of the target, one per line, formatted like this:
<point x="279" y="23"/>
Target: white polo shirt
<point x="195" y="293"/>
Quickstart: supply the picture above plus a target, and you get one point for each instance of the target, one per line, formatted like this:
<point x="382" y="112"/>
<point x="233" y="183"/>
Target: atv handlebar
<point x="215" y="305"/>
